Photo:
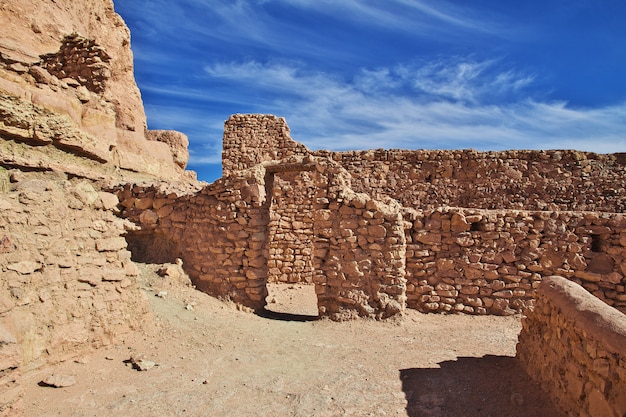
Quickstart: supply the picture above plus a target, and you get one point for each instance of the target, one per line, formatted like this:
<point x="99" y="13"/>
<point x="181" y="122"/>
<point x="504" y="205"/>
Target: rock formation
<point x="68" y="98"/>
<point x="72" y="124"/>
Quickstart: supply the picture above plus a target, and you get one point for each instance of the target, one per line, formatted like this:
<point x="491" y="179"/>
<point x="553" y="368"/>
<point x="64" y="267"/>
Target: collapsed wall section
<point x="574" y="346"/>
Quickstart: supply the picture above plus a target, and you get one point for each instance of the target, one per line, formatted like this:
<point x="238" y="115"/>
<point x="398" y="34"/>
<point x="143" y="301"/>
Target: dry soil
<point x="214" y="360"/>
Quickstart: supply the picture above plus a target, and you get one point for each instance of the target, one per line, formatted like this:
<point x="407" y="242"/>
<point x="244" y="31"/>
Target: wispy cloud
<point x="465" y="103"/>
<point x="411" y="15"/>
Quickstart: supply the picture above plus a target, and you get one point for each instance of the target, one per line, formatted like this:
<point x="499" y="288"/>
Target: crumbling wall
<point x="67" y="283"/>
<point x="574" y="346"/>
<point x="514" y="180"/>
<point x="67" y="279"/>
<point x="250" y="139"/>
<point x="222" y="233"/>
<point x="219" y="232"/>
<point x="477" y="261"/>
<point x="491" y="261"/>
<point x="79" y="60"/>
<point x="359" y="257"/>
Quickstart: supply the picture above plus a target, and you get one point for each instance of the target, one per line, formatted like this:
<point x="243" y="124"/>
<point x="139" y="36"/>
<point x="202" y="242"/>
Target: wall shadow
<point x="274" y="315"/>
<point x="489" y="386"/>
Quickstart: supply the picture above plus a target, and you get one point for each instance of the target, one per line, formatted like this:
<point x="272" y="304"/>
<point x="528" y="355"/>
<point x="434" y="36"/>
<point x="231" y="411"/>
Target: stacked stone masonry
<point x="473" y="259"/>
<point x="67" y="281"/>
<point x="574" y="346"/>
<point x="491" y="261"/>
<point x="516" y="180"/>
<point x="80" y="60"/>
<point x="355" y="245"/>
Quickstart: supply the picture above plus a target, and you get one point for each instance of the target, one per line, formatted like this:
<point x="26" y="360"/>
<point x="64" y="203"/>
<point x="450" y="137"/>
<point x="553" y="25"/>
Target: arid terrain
<point x="214" y="360"/>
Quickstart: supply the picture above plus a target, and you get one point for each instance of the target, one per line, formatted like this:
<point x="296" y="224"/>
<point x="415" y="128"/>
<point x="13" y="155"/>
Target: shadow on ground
<point x="490" y="386"/>
<point x="276" y="315"/>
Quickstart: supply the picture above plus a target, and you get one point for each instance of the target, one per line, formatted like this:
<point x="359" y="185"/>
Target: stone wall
<point x="472" y="260"/>
<point x="574" y="346"/>
<point x="78" y="60"/>
<point x="252" y="139"/>
<point x="528" y="180"/>
<point x="67" y="283"/>
<point x="491" y="261"/>
<point x="223" y="234"/>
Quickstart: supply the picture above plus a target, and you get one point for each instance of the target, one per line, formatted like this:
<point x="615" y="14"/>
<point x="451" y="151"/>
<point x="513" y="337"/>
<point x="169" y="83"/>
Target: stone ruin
<point x="379" y="231"/>
<point x="86" y="191"/>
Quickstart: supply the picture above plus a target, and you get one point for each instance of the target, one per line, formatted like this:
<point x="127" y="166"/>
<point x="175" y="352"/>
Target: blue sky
<point x="367" y="74"/>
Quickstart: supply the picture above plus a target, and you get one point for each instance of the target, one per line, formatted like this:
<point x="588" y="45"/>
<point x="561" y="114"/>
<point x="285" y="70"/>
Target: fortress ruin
<point x="87" y="191"/>
<point x="379" y="231"/>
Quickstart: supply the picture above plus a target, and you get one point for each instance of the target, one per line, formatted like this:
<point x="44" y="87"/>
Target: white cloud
<point x="448" y="110"/>
<point x="417" y="16"/>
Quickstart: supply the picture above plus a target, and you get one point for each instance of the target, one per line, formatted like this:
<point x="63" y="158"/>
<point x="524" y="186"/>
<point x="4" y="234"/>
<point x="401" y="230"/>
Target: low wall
<point x="491" y="261"/>
<point x="575" y="347"/>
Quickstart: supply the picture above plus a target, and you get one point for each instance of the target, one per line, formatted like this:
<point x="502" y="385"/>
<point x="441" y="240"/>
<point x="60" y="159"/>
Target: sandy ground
<point x="213" y="360"/>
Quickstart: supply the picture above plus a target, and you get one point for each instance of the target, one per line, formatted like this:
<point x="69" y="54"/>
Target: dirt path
<point x="214" y="360"/>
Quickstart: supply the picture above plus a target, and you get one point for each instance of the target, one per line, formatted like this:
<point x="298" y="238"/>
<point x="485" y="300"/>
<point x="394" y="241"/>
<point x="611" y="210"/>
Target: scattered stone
<point x="140" y="363"/>
<point x="161" y="294"/>
<point x="59" y="381"/>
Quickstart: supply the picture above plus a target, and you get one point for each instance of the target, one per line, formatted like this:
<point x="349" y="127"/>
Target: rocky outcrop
<point x="71" y="123"/>
<point x="68" y="98"/>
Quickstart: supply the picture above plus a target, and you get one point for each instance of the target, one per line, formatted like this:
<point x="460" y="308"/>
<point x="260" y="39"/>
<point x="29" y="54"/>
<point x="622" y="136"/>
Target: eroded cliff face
<point x="68" y="97"/>
<point x="72" y="123"/>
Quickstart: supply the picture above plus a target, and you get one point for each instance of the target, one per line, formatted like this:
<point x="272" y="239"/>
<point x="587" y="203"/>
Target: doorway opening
<point x="290" y="244"/>
<point x="296" y="300"/>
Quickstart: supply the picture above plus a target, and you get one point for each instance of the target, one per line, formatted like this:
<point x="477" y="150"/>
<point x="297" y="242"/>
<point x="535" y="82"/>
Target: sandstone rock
<point x="109" y="200"/>
<point x="25" y="267"/>
<point x="86" y="79"/>
<point x="85" y="192"/>
<point x="177" y="141"/>
<point x="111" y="244"/>
<point x="59" y="381"/>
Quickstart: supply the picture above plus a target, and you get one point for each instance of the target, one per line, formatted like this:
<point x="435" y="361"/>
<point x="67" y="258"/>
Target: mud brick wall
<point x="529" y="180"/>
<point x="66" y="279"/>
<point x="491" y="261"/>
<point x="574" y="346"/>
